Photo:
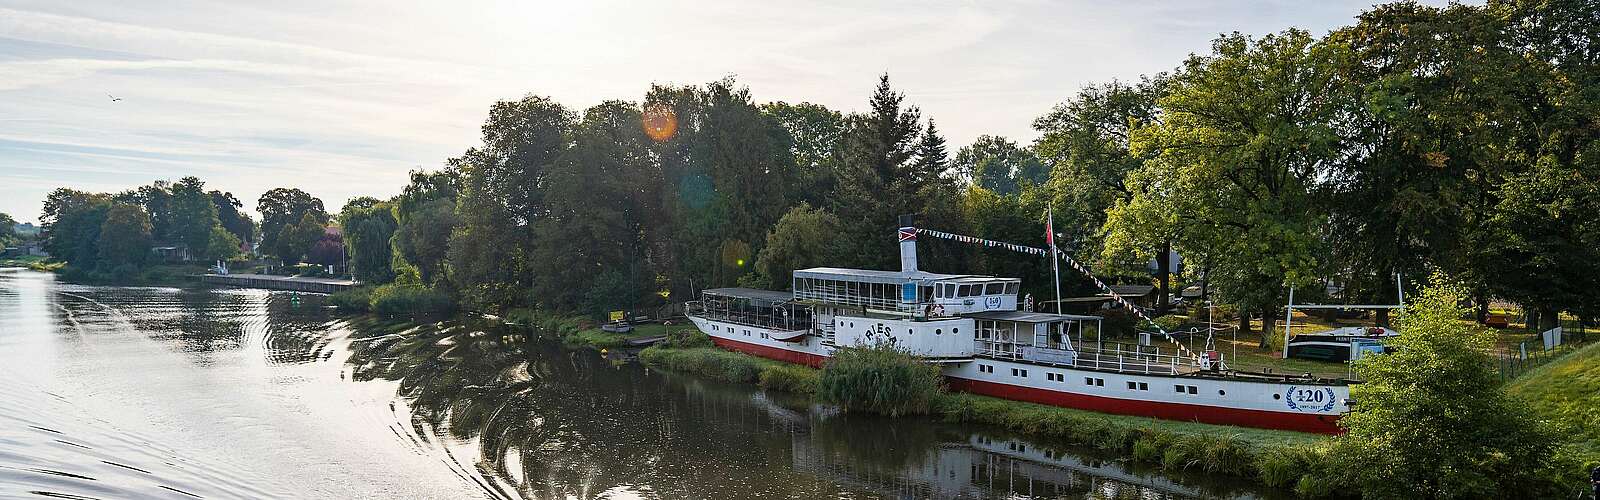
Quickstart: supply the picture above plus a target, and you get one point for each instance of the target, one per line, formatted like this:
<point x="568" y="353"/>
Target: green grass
<point x="733" y="367"/>
<point x="1567" y="390"/>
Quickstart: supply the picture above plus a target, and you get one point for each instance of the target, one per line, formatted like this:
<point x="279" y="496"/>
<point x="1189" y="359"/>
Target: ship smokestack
<point x="908" y="244"/>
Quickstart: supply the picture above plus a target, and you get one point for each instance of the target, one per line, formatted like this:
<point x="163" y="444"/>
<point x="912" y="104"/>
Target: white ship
<point x="972" y="327"/>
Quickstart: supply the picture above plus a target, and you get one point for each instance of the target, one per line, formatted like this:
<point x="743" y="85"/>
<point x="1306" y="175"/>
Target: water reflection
<point x="548" y="423"/>
<point x="138" y="392"/>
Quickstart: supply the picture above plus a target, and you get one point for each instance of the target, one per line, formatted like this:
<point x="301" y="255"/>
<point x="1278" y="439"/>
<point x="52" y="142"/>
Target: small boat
<point x="1339" y="344"/>
<point x="617" y="327"/>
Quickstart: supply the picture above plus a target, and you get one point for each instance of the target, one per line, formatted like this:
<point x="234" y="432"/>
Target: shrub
<point x="1170" y="323"/>
<point x="686" y="338"/>
<point x="789" y="378"/>
<point x="1282" y="467"/>
<point x="717" y="364"/>
<point x="354" y="299"/>
<point x="881" y="379"/>
<point x="398" y="300"/>
<point x="1117" y="322"/>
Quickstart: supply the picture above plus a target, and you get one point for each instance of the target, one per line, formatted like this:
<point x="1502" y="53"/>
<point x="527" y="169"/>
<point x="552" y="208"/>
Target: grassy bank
<point x="152" y="275"/>
<point x="1567" y="391"/>
<point x="1276" y="458"/>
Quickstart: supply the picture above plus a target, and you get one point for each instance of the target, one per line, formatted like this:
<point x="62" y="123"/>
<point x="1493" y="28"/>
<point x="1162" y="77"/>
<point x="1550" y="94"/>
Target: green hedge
<point x="399" y="300"/>
<point x="354" y="299"/>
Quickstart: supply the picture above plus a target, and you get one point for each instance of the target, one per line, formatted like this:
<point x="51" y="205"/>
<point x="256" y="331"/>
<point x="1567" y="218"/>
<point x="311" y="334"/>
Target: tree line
<point x="1457" y="138"/>
<point x="114" y="233"/>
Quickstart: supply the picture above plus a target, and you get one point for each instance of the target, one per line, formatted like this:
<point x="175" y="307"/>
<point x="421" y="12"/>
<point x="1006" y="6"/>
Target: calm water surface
<point x="122" y="392"/>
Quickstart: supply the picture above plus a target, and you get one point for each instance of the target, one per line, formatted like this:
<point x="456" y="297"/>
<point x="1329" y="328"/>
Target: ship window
<point x="1088" y="381"/>
<point x="1011" y="288"/>
<point x="1194" y="390"/>
<point x="1221" y="392"/>
<point x="964" y="291"/>
<point x="1013" y="372"/>
<point x="995" y="289"/>
<point x="1132" y="386"/>
<point x="1277" y="396"/>
<point x="1100" y="382"/>
<point x="1143" y="386"/>
<point x="1180" y="389"/>
<point x="955" y="330"/>
<point x="938" y="331"/>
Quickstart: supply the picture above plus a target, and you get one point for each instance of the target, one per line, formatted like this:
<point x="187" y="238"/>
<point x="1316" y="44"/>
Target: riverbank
<point x="170" y="275"/>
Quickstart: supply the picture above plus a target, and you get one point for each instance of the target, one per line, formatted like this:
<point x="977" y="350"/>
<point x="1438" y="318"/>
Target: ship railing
<point x="1133" y="359"/>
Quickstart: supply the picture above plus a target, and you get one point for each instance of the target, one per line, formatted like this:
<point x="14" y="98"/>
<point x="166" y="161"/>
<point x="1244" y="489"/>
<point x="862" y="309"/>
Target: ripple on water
<point x="48" y="448"/>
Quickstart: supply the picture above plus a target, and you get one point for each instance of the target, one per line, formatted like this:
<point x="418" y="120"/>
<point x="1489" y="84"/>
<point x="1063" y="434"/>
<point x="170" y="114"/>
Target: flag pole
<point x="1055" y="260"/>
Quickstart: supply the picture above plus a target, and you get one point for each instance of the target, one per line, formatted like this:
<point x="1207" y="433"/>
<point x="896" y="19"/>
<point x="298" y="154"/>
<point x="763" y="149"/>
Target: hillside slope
<point x="1568" y="390"/>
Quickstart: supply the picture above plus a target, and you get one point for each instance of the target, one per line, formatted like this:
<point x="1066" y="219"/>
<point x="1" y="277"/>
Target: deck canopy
<point x="902" y="291"/>
<point x="751" y="293"/>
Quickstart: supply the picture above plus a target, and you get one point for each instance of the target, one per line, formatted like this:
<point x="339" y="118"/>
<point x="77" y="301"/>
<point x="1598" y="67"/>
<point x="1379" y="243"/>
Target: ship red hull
<point x="1323" y="424"/>
<point x="800" y="358"/>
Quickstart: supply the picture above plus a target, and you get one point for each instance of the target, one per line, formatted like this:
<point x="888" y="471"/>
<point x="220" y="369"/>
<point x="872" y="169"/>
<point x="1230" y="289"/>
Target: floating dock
<point x="271" y="282"/>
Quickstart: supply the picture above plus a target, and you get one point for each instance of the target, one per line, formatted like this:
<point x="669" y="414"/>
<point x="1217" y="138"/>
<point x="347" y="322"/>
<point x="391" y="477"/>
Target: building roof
<point x="1028" y="317"/>
<point x="873" y="275"/>
<point x="751" y="293"/>
<point x="1132" y="290"/>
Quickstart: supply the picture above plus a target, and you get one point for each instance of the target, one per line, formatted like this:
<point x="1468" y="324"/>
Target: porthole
<point x="955" y="330"/>
<point x="938" y="331"/>
<point x="1221" y="392"/>
<point x="1277" y="396"/>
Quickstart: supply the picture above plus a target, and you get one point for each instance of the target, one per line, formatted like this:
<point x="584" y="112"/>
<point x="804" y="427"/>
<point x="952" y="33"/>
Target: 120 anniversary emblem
<point x="1312" y="399"/>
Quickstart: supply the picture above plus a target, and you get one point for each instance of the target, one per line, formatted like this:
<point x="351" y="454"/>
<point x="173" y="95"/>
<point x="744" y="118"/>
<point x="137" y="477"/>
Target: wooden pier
<point x="271" y="282"/>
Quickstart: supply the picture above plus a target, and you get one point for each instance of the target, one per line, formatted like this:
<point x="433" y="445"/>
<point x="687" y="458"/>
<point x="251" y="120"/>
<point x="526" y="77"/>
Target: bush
<point x="686" y="338"/>
<point x="399" y="300"/>
<point x="1282" y="467"/>
<point x="790" y="378"/>
<point x="880" y="379"/>
<point x="1170" y="323"/>
<point x="309" y="271"/>
<point x="1117" y="322"/>
<point x="717" y="364"/>
<point x="354" y="299"/>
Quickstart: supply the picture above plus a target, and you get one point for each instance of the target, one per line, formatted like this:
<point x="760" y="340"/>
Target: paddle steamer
<point x="972" y="327"/>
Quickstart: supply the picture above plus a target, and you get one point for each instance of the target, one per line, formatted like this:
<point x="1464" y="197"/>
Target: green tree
<point x="295" y="241"/>
<point x="280" y="209"/>
<point x="877" y="183"/>
<point x="1431" y="419"/>
<point x="72" y="221"/>
<point x="1246" y="134"/>
<point x="240" y="224"/>
<point x="423" y="238"/>
<point x="815" y="133"/>
<point x="932" y="155"/>
<point x="997" y="164"/>
<point x="124" y="236"/>
<point x="597" y="216"/>
<point x="8" y="234"/>
<point x="1086" y="141"/>
<point x="504" y="183"/>
<point x="803" y="238"/>
<point x="193" y="216"/>
<point x="369" y="227"/>
<point x="223" y="245"/>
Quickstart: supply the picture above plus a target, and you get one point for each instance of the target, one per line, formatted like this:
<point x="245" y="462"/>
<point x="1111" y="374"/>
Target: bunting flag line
<point x="1115" y="297"/>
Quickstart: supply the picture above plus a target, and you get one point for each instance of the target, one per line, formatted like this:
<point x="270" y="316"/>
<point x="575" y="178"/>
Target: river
<point x="134" y="392"/>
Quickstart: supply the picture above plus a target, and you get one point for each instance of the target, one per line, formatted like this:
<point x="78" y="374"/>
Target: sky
<point x="342" y="99"/>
